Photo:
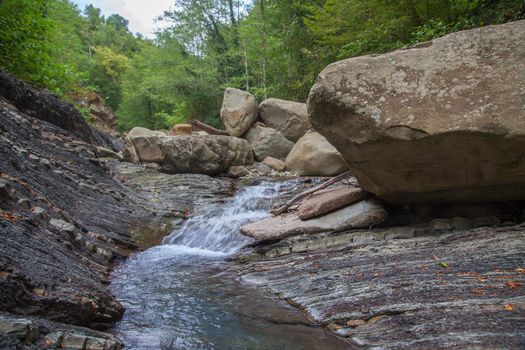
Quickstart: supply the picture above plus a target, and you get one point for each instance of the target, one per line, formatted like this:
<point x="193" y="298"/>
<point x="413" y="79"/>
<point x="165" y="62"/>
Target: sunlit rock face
<point x="440" y="122"/>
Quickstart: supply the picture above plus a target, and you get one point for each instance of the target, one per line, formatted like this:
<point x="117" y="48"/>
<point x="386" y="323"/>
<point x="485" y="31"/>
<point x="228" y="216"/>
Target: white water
<point x="217" y="230"/>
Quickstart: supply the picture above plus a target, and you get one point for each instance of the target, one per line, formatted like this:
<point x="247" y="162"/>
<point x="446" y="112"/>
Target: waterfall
<point x="217" y="228"/>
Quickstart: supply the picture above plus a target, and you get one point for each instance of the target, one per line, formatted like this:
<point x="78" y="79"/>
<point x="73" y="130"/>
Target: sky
<point x="141" y="14"/>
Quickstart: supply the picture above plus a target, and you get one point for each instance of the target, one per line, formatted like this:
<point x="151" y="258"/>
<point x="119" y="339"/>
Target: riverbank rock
<point x="268" y="142"/>
<point x="275" y="164"/>
<point x="290" y="118"/>
<point x="363" y="214"/>
<point x="238" y="111"/>
<point x="439" y="122"/>
<point x="210" y="154"/>
<point x="329" y="200"/>
<point x="312" y="155"/>
<point x="100" y="115"/>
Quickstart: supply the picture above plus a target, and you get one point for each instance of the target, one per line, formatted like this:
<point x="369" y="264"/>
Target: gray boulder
<point x="211" y="154"/>
<point x="312" y="155"/>
<point x="268" y="142"/>
<point x="238" y="111"/>
<point x="290" y="118"/>
<point x="440" y="122"/>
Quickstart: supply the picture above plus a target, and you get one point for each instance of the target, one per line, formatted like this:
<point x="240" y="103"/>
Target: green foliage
<point x="273" y="48"/>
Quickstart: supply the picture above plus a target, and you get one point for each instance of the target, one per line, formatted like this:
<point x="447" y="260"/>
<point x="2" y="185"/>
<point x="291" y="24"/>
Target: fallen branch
<point x="209" y="129"/>
<point x="301" y="195"/>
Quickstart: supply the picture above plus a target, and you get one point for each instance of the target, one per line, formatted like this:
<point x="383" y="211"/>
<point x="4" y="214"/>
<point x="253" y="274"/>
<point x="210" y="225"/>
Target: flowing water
<point x="178" y="295"/>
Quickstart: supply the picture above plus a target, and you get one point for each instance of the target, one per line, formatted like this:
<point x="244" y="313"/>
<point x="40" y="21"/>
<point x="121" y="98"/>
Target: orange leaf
<point x="508" y="307"/>
<point x="520" y="270"/>
<point x="512" y="284"/>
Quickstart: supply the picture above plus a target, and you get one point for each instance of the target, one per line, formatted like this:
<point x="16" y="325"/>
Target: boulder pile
<point x="280" y="139"/>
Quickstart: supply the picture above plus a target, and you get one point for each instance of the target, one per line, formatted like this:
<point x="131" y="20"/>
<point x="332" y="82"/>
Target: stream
<point x="179" y="296"/>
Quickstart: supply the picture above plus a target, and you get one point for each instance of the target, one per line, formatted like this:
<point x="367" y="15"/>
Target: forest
<point x="271" y="48"/>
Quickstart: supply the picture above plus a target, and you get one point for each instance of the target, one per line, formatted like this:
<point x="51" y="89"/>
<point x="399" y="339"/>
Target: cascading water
<point x="178" y="295"/>
<point x="217" y="229"/>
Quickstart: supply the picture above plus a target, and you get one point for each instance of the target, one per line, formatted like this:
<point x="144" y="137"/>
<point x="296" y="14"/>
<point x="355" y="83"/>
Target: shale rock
<point x="312" y="155"/>
<point x="290" y="118"/>
<point x="363" y="214"/>
<point x="102" y="116"/>
<point x="329" y="200"/>
<point x="238" y="111"/>
<point x="438" y="122"/>
<point x="268" y="142"/>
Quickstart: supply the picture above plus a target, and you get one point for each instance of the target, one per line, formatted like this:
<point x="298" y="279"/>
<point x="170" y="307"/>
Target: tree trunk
<point x="263" y="47"/>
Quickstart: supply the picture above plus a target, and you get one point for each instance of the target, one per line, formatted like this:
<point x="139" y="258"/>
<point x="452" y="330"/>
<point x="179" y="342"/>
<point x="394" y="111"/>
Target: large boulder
<point x="440" y="122"/>
<point x="238" y="111"/>
<point x="360" y="215"/>
<point x="290" y="118"/>
<point x="139" y="147"/>
<point x="268" y="142"/>
<point x="211" y="154"/>
<point x="312" y="155"/>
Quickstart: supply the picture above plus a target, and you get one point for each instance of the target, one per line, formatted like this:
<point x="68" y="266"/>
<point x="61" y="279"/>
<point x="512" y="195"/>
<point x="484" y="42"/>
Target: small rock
<point x="263" y="169"/>
<point x="181" y="129"/>
<point x="62" y="225"/>
<point x="54" y="339"/>
<point x="152" y="165"/>
<point x="24" y="203"/>
<point x="73" y="341"/>
<point x="275" y="164"/>
<point x="33" y="157"/>
<point x="40" y="213"/>
<point x="438" y="225"/>
<point x="237" y="171"/>
<point x="355" y="323"/>
<point x="106" y="152"/>
<point x="401" y="232"/>
<point x="45" y="162"/>
<point x="6" y="191"/>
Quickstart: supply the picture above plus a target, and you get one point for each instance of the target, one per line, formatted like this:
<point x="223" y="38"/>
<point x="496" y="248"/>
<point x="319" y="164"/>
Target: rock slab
<point x="328" y="201"/>
<point x="313" y="155"/>
<point x="363" y="214"/>
<point x="238" y="111"/>
<point x="290" y="118"/>
<point x="443" y="121"/>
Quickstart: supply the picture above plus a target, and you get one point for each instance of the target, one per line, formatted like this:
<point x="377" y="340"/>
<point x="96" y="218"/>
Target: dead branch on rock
<point x="301" y="195"/>
<point x="209" y="129"/>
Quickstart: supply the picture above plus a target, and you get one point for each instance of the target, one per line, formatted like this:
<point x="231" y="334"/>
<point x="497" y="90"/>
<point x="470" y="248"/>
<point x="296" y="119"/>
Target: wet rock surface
<point x="402" y="287"/>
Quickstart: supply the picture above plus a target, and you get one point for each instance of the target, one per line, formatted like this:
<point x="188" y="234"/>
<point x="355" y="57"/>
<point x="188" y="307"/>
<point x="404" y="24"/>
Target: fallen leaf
<point x="443" y="264"/>
<point x="520" y="270"/>
<point x="377" y="274"/>
<point x="512" y="284"/>
<point x="508" y="307"/>
<point x="478" y="291"/>
<point x="482" y="280"/>
<point x="8" y="217"/>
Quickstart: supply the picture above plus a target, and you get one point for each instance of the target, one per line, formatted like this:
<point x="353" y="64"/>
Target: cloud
<point x="141" y="14"/>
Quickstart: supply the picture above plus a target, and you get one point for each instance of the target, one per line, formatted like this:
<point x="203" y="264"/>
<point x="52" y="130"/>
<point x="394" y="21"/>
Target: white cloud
<point x="141" y="14"/>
